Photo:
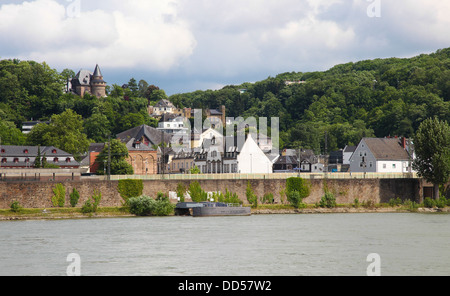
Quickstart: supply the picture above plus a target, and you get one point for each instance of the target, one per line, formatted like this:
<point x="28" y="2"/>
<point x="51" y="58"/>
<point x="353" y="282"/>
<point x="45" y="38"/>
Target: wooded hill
<point x="380" y="97"/>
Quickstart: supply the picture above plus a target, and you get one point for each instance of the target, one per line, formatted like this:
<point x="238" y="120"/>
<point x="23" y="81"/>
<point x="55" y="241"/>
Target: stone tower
<point x="98" y="85"/>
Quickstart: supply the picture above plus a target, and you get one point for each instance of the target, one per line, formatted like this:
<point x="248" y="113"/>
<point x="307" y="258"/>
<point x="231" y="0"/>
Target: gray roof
<point x="152" y="135"/>
<point x="386" y="148"/>
<point x="350" y="149"/>
<point x="96" y="147"/>
<point x="83" y="77"/>
<point x="165" y="103"/>
<point x="31" y="152"/>
<point x="97" y="72"/>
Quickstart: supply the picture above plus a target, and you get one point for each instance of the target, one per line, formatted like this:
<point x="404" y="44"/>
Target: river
<point x="259" y="245"/>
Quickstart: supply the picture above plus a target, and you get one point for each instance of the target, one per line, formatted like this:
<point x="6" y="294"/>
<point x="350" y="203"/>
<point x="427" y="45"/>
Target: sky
<point x="188" y="45"/>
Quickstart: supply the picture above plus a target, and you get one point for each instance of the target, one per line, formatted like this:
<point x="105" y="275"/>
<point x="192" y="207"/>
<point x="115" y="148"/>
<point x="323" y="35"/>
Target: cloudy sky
<point x="185" y="45"/>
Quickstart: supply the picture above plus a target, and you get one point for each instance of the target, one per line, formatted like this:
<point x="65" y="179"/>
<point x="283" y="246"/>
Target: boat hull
<point x="221" y="211"/>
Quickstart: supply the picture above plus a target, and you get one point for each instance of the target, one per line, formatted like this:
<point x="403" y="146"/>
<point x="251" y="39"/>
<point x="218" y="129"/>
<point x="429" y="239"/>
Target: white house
<point x="382" y="155"/>
<point x="252" y="160"/>
<point x="348" y="152"/>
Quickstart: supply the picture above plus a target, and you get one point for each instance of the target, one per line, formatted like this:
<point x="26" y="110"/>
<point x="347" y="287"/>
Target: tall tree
<point x="432" y="147"/>
<point x="119" y="165"/>
<point x="65" y="131"/>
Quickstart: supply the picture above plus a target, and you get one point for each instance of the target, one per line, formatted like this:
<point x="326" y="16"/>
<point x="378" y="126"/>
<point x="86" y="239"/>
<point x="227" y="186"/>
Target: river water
<point x="259" y="245"/>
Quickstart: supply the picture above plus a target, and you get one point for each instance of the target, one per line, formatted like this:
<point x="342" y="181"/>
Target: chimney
<point x="404" y="142"/>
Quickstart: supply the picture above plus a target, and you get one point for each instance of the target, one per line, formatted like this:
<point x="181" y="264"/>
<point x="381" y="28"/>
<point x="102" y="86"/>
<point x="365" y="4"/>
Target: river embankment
<point x="122" y="212"/>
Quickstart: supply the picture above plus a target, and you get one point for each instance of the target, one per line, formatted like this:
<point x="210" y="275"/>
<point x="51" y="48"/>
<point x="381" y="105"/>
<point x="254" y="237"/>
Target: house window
<point x="384" y="165"/>
<point x="394" y="165"/>
<point x="370" y="164"/>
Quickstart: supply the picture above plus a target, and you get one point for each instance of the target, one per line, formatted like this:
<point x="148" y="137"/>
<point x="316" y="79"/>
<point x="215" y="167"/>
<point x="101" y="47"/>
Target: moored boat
<point x="211" y="209"/>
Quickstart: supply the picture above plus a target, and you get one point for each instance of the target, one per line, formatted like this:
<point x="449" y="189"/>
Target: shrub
<point x="130" y="188"/>
<point x="393" y="202"/>
<point x="251" y="196"/>
<point x="97" y="197"/>
<point x="429" y="202"/>
<point x="59" y="195"/>
<point x="296" y="190"/>
<point x="229" y="197"/>
<point x="356" y="203"/>
<point x="328" y="200"/>
<point x="181" y="190"/>
<point x="15" y="207"/>
<point x="147" y="206"/>
<point x="87" y="207"/>
<point x="196" y="192"/>
<point x="441" y="202"/>
<point x="295" y="199"/>
<point x="74" y="197"/>
<point x="268" y="198"/>
<point x="91" y="206"/>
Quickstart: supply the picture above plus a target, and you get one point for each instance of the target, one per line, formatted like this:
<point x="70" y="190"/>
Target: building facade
<point x="382" y="155"/>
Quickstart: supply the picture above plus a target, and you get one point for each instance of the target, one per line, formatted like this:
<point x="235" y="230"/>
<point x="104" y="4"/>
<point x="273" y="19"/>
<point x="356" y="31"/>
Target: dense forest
<point x="381" y="97"/>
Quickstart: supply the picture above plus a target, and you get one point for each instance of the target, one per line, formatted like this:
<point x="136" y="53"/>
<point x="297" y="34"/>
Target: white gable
<point x="252" y="160"/>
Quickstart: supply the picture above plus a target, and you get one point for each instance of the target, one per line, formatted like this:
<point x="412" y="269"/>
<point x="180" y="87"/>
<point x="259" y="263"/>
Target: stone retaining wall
<point x="38" y="194"/>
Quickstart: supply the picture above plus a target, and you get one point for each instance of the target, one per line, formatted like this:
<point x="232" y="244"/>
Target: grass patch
<point x="50" y="213"/>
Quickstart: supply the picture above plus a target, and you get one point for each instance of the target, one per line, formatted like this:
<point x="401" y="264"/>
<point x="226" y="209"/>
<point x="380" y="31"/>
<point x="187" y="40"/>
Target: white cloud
<point x="212" y="41"/>
<point x="135" y="33"/>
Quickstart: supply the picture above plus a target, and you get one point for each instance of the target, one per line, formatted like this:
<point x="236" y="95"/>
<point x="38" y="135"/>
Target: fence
<point x="40" y="174"/>
<point x="277" y="176"/>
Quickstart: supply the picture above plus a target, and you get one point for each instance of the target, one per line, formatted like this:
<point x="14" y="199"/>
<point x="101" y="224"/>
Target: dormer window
<point x="3" y="150"/>
<point x="16" y="160"/>
<point x="56" y="160"/>
<point x="68" y="159"/>
<point x="4" y="160"/>
<point x="25" y="151"/>
<point x="54" y="151"/>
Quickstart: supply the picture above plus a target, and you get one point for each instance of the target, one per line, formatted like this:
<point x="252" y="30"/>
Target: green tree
<point x="133" y="87"/>
<point x="296" y="190"/>
<point x="196" y="192"/>
<point x="65" y="131"/>
<point x="251" y="196"/>
<point x="10" y="134"/>
<point x="74" y="197"/>
<point x="97" y="127"/>
<point x="119" y="154"/>
<point x="432" y="148"/>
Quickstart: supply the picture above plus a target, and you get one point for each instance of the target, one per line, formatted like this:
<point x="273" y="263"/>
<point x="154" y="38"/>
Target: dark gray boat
<point x="211" y="209"/>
